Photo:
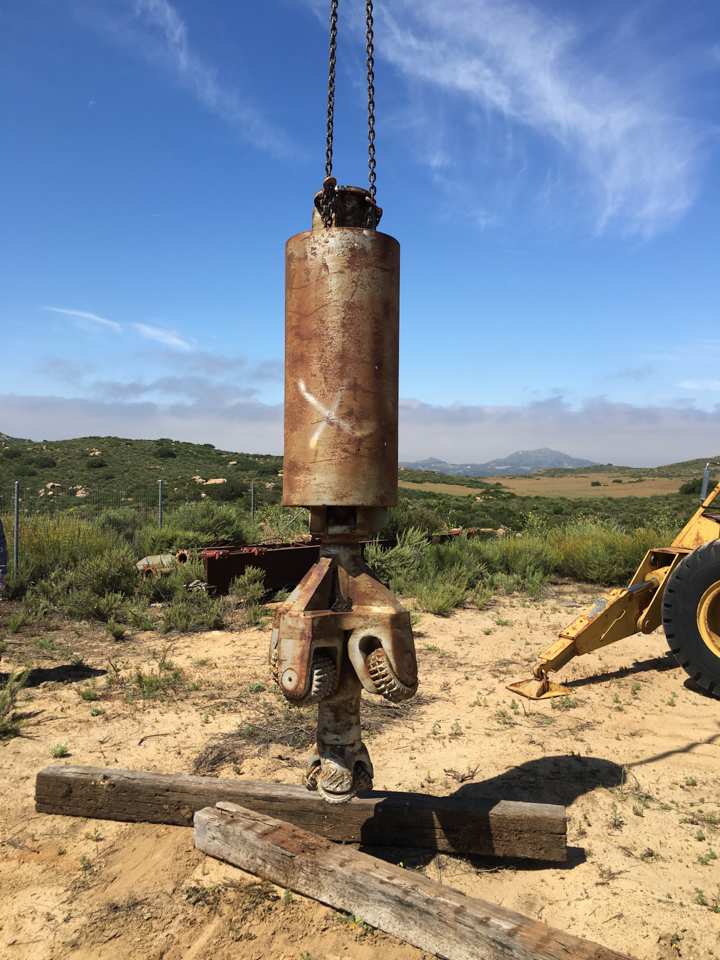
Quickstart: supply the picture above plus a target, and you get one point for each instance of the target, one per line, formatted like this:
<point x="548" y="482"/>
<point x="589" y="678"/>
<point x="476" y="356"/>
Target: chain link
<point x="327" y="202"/>
<point x="332" y="61"/>
<point x="370" y="51"/>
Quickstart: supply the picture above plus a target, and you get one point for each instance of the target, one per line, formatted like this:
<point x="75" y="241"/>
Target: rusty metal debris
<point x="341" y="630"/>
<point x="160" y="564"/>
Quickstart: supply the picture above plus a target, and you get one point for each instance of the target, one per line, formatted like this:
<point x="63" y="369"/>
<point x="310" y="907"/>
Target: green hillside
<point x="684" y="469"/>
<point x="111" y="470"/>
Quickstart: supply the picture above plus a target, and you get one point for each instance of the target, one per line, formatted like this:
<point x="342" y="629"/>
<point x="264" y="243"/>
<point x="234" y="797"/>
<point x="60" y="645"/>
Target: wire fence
<point x="20" y="501"/>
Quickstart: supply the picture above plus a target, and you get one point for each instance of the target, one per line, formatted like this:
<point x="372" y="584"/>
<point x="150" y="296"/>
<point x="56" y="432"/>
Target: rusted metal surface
<point x="284" y="565"/>
<point x="160" y="563"/>
<point x="341" y="623"/>
<point x="340" y="630"/>
<point x="341" y="368"/>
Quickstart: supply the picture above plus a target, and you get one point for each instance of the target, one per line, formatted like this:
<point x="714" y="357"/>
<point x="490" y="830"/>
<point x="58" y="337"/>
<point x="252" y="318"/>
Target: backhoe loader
<point x="678" y="586"/>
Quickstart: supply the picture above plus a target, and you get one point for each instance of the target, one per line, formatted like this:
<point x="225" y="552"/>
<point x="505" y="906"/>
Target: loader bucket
<point x="539" y="689"/>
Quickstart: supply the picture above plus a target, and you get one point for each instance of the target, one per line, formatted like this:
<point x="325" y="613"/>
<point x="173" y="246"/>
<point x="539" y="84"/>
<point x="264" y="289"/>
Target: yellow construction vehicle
<point x="678" y="586"/>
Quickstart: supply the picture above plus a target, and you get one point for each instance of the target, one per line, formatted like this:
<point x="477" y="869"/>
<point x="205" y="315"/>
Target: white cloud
<point x="598" y="430"/>
<point x="90" y="318"/>
<point x="155" y="31"/>
<point x="510" y="60"/>
<point x="169" y="338"/>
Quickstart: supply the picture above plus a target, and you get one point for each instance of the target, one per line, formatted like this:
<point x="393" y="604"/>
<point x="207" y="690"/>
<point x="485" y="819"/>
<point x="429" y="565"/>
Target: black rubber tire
<point x="683" y="591"/>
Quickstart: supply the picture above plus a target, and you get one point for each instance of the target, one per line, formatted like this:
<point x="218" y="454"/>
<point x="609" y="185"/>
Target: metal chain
<point x="370" y="51"/>
<point x="332" y="60"/>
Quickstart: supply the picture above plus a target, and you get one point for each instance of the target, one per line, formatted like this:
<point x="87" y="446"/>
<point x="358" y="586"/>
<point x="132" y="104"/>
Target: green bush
<point x="396" y="564"/>
<point x="124" y="521"/>
<point x="56" y="543"/>
<point x="193" y="612"/>
<point x="170" y="585"/>
<point x="249" y="588"/>
<point x="441" y="594"/>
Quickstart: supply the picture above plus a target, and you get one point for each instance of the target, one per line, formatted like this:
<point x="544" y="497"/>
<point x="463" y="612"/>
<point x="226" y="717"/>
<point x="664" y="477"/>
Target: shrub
<point x="112" y="571"/>
<point x="249" y="588"/>
<point x="137" y="616"/>
<point x="193" y="612"/>
<point x="9" y="725"/>
<point x="694" y="486"/>
<point x="400" y="562"/>
<point x="441" y="595"/>
<point x="124" y="521"/>
<point x="173" y="584"/>
<point x="95" y="463"/>
<point x="56" y="543"/>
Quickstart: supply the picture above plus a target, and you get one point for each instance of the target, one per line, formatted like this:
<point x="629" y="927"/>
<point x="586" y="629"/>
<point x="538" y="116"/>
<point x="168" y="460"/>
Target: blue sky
<point x="550" y="169"/>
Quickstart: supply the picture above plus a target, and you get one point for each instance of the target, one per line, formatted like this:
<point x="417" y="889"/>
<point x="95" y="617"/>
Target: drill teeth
<point x="383" y="676"/>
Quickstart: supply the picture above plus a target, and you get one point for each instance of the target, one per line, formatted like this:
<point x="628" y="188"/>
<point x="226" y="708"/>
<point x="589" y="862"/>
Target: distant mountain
<point x="522" y="461"/>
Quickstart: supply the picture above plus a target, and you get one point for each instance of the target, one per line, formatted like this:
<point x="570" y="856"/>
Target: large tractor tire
<point x="691" y="615"/>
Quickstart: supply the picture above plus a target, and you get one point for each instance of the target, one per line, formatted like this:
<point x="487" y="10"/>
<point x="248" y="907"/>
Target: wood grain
<point x="534" y="831"/>
<point x="405" y="904"/>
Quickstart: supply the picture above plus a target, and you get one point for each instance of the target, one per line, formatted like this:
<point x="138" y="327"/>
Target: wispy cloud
<point x="612" y="127"/>
<point x="711" y="385"/>
<point x="155" y="31"/>
<point x="148" y="331"/>
<point x="168" y="338"/>
<point x="87" y="318"/>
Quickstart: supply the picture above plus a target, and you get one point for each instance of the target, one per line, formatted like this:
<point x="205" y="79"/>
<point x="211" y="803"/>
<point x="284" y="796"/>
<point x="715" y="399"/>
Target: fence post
<point x="16" y="528"/>
<point x="252" y="499"/>
<point x="160" y="503"/>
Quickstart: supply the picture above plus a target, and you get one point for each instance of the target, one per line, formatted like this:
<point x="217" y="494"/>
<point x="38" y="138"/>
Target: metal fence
<point x="19" y="500"/>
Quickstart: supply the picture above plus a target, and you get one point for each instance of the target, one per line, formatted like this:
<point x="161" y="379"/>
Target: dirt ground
<point x="634" y="755"/>
<point x="573" y="486"/>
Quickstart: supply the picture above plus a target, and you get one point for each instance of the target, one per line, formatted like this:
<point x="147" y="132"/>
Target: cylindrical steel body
<point x="341" y="368"/>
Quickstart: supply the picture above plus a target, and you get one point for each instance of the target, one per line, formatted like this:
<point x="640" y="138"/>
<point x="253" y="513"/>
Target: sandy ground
<point x="573" y="486"/>
<point x="634" y="755"/>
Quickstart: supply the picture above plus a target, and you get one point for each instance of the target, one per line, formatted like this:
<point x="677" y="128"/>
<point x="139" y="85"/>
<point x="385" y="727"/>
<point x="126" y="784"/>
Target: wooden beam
<point x="534" y="831"/>
<point x="406" y="904"/>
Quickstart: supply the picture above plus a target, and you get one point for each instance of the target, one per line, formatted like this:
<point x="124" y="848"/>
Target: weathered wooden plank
<point x="504" y="828"/>
<point x="420" y="911"/>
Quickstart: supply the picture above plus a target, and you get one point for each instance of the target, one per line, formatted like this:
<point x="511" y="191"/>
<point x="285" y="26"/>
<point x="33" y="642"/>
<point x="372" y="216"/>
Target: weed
<point x="116" y="630"/>
<point x="17" y="620"/>
<point x="456" y="731"/>
<point x="707" y="858"/>
<point x="159" y="681"/>
<point x="565" y="703"/>
<point x="59" y="750"/>
<point x="700" y="898"/>
<point x="256" y="687"/>
<point x="690" y="782"/>
<point x="9" y="725"/>
<point x="616" y="821"/>
<point x="138" y="617"/>
<point x="504" y="718"/>
<point x="502" y="622"/>
<point x="88" y="694"/>
<point x="97" y="712"/>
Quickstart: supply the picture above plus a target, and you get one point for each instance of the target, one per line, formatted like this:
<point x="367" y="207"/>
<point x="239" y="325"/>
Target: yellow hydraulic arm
<point x="624" y="611"/>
